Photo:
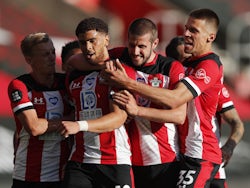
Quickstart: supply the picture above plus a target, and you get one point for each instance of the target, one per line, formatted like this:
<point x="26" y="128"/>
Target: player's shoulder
<point x="25" y="78"/>
<point x="210" y="58"/>
<point x="168" y="62"/>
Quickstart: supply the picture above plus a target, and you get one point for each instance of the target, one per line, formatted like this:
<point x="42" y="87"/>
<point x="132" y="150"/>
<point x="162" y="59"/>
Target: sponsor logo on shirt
<point x="88" y="99"/>
<point x="181" y="75"/>
<point x="53" y="100"/>
<point x="140" y="79"/>
<point x="225" y="92"/>
<point x="16" y="96"/>
<point x="201" y="74"/>
<point x="76" y="85"/>
<point x="90" y="82"/>
<point x="38" y="100"/>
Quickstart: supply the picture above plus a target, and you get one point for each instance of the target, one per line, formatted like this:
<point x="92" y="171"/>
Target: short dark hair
<point x="141" y="26"/>
<point x="206" y="14"/>
<point x="171" y="48"/>
<point x="68" y="47"/>
<point x="91" y="23"/>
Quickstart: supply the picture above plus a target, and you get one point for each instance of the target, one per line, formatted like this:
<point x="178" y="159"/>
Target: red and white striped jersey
<point x="225" y="103"/>
<point x="39" y="158"/>
<point x="91" y="98"/>
<point x="197" y="135"/>
<point x="151" y="142"/>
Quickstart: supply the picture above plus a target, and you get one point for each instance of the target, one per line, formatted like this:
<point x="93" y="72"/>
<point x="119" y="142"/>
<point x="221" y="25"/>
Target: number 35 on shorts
<point x="186" y="178"/>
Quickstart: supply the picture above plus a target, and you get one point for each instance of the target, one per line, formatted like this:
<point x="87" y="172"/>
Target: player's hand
<point x="115" y="74"/>
<point x="69" y="128"/>
<point x="227" y="151"/>
<point x="126" y="101"/>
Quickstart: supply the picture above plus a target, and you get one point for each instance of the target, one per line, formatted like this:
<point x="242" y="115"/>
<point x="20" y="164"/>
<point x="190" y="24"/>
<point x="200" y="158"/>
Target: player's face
<point x="65" y="66"/>
<point x="43" y="58"/>
<point x="196" y="37"/>
<point x="94" y="46"/>
<point x="140" y="49"/>
<point x="182" y="54"/>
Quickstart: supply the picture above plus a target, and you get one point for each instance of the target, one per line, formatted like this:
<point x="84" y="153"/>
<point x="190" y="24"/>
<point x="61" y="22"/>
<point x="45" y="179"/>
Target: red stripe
<point x="166" y="152"/>
<point x="34" y="160"/>
<point x="137" y="158"/>
<point x="108" y="148"/>
<point x="132" y="178"/>
<point x="35" y="147"/>
<point x="204" y="174"/>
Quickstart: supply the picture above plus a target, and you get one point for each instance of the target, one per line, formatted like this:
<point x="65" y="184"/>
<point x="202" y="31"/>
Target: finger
<point x="120" y="96"/>
<point x="127" y="93"/>
<point x="108" y="65"/>
<point x="63" y="132"/>
<point x="120" y="100"/>
<point x="119" y="65"/>
<point x="60" y="129"/>
<point x="121" y="104"/>
<point x="111" y="65"/>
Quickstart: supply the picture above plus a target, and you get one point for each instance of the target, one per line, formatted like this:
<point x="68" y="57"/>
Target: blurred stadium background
<point x="60" y="17"/>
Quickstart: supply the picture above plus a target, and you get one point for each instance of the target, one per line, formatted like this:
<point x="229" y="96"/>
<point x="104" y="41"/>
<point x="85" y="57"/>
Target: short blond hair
<point x="32" y="40"/>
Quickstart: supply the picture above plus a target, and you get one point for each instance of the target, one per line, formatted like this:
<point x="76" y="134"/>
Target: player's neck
<point x="44" y="79"/>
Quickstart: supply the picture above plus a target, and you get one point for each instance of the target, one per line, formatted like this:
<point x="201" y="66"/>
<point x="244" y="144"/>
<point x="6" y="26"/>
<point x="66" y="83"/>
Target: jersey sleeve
<point x="176" y="74"/>
<point x="225" y="102"/>
<point x="204" y="75"/>
<point x="18" y="96"/>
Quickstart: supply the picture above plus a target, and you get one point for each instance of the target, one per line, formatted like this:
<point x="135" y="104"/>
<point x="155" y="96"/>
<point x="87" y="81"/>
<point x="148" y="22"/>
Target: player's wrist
<point x="83" y="125"/>
<point x="231" y="144"/>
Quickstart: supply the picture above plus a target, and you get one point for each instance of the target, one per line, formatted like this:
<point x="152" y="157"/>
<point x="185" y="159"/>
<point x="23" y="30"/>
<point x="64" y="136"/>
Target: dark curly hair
<point x="91" y="23"/>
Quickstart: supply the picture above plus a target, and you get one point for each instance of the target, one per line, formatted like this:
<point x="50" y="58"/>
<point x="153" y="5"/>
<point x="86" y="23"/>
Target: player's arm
<point x="237" y="130"/>
<point x="127" y="102"/>
<point x="176" y="115"/>
<point x="170" y="98"/>
<point x="106" y="123"/>
<point x="36" y="126"/>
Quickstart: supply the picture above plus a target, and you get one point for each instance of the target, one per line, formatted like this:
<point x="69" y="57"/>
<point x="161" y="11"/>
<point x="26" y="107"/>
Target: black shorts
<point x="79" y="175"/>
<point x="25" y="184"/>
<point x="218" y="183"/>
<point x="154" y="176"/>
<point x="196" y="173"/>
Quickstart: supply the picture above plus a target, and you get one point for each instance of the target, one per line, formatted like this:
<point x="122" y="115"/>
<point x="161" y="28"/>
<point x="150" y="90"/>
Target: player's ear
<point x="28" y="60"/>
<point x="155" y="43"/>
<point x="107" y="40"/>
<point x="211" y="37"/>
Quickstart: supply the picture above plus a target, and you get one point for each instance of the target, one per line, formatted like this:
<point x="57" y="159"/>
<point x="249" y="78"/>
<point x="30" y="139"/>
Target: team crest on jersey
<point x="16" y="96"/>
<point x="155" y="82"/>
<point x="225" y="92"/>
<point x="201" y="74"/>
<point x="88" y="99"/>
